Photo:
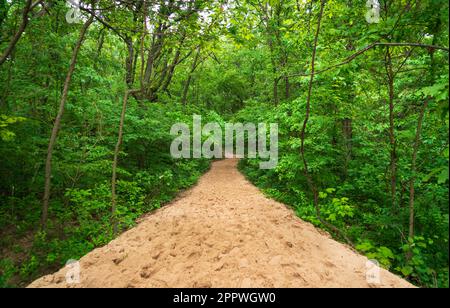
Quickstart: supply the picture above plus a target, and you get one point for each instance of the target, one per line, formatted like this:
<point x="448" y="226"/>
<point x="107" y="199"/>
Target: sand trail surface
<point x="223" y="233"/>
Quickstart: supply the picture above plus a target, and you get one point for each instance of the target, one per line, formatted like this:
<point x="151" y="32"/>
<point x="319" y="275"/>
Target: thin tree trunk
<point x="347" y="130"/>
<point x="142" y="47"/>
<point x="116" y="156"/>
<point x="308" y="176"/>
<point x="275" y="89"/>
<point x="189" y="78"/>
<point x="285" y="75"/>
<point x="129" y="61"/>
<point x="163" y="72"/>
<point x="286" y="87"/>
<point x="174" y="63"/>
<point x="392" y="140"/>
<point x="17" y="36"/>
<point x="155" y="51"/>
<point x="274" y="72"/>
<point x="57" y="124"/>
<point x="101" y="41"/>
<point x="171" y="70"/>
<point x="136" y="56"/>
<point x="413" y="172"/>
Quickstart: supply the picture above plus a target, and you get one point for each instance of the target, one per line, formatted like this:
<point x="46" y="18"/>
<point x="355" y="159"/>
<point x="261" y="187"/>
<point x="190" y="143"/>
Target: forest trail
<point x="223" y="233"/>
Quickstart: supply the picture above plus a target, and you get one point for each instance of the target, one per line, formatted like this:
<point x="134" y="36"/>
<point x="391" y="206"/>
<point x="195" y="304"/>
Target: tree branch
<point x="360" y="52"/>
<point x="25" y="18"/>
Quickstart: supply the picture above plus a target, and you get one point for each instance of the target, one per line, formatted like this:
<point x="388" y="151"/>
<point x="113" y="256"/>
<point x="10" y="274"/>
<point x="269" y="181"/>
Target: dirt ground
<point x="223" y="233"/>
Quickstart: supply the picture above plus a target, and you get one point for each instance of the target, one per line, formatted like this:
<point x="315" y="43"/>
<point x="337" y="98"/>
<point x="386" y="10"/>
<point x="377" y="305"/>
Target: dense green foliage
<point x="80" y="209"/>
<point x="243" y="61"/>
<point x="348" y="145"/>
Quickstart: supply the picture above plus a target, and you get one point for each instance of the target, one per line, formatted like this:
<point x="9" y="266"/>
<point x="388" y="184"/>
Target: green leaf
<point x="443" y="176"/>
<point x="406" y="270"/>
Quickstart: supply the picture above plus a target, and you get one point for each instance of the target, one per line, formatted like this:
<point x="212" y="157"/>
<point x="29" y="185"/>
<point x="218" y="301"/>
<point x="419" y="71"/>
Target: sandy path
<point x="222" y="233"/>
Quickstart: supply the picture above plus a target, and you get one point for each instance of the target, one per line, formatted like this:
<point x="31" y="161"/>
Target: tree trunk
<point x="413" y="173"/>
<point x="392" y="140"/>
<point x="286" y="87"/>
<point x="142" y="47"/>
<point x="347" y="130"/>
<point x="129" y="61"/>
<point x="308" y="176"/>
<point x="115" y="159"/>
<point x="16" y="37"/>
<point x="285" y="75"/>
<point x="57" y="124"/>
<point x="274" y="72"/>
<point x="155" y="50"/>
<point x="189" y="78"/>
<point x="273" y="62"/>
<point x="101" y="41"/>
<point x="275" y="90"/>
<point x="174" y="63"/>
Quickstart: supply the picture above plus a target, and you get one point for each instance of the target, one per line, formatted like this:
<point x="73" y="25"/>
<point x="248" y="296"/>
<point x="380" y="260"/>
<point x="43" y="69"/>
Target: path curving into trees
<point x="223" y="233"/>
